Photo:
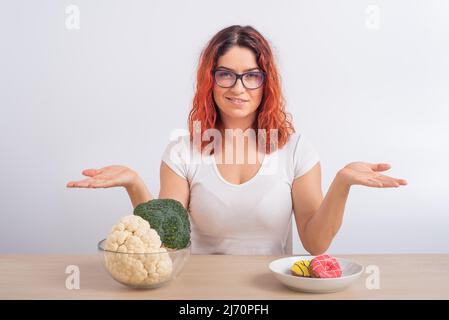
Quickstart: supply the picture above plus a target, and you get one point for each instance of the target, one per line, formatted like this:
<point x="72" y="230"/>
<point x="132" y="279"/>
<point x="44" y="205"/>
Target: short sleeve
<point x="305" y="156"/>
<point x="176" y="155"/>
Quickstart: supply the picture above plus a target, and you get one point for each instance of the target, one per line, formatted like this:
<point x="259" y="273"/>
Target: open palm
<point x="368" y="174"/>
<point x="110" y="176"/>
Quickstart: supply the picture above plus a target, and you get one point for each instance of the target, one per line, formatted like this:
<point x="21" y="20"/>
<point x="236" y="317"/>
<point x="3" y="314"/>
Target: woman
<point x="246" y="207"/>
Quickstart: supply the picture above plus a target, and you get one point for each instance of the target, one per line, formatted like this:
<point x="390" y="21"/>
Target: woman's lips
<point x="236" y="101"/>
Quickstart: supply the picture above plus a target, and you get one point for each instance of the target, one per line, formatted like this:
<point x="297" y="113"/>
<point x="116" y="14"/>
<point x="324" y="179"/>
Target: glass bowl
<point x="144" y="270"/>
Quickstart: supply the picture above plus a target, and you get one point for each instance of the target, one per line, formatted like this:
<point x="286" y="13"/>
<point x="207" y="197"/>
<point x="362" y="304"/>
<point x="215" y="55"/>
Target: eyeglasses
<point x="250" y="80"/>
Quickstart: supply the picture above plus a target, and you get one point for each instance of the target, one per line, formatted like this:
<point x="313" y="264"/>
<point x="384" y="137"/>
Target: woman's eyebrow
<point x="251" y="69"/>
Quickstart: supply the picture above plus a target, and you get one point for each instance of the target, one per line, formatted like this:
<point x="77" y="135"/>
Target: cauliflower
<point x="132" y="234"/>
<point x="137" y="257"/>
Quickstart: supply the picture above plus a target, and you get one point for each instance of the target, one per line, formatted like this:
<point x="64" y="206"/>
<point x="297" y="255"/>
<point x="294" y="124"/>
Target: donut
<point x="301" y="268"/>
<point x="325" y="266"/>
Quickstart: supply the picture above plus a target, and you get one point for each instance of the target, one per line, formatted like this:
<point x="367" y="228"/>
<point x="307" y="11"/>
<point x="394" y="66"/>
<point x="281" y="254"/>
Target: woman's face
<point x="238" y="60"/>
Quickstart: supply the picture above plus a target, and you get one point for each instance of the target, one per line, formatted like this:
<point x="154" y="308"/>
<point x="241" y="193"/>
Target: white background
<point x="112" y="91"/>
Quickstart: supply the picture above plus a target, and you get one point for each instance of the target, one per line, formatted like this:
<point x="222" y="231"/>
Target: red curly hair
<point x="271" y="112"/>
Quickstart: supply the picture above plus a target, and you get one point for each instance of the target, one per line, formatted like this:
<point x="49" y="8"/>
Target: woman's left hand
<point x="367" y="174"/>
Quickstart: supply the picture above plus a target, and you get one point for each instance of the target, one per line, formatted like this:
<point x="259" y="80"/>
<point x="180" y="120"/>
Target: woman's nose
<point x="238" y="86"/>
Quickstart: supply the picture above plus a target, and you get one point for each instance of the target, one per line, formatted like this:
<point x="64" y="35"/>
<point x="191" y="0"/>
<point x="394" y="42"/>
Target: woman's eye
<point x="225" y="74"/>
<point x="254" y="75"/>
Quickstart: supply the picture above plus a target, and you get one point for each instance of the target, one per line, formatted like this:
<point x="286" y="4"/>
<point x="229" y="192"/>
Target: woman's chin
<point x="237" y="114"/>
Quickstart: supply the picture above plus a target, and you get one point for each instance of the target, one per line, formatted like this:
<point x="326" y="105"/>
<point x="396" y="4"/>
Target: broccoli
<point x="169" y="218"/>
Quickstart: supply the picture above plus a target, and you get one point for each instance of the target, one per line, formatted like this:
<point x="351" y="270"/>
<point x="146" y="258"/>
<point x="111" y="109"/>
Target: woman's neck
<point x="237" y="124"/>
<point x="229" y="129"/>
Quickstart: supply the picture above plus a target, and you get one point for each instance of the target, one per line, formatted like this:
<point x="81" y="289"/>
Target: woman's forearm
<point x="325" y="223"/>
<point x="138" y="192"/>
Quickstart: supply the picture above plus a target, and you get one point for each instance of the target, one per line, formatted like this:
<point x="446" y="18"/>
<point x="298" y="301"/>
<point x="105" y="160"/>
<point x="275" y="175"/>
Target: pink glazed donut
<point x="325" y="266"/>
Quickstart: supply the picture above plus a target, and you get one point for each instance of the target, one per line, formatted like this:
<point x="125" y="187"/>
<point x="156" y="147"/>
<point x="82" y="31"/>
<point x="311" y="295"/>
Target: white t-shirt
<point x="253" y="218"/>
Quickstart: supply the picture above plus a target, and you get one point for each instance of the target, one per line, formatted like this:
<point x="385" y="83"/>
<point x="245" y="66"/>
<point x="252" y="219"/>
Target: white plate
<point x="281" y="270"/>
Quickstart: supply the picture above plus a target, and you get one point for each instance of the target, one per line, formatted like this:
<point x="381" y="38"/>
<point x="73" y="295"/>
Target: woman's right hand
<point x="107" y="177"/>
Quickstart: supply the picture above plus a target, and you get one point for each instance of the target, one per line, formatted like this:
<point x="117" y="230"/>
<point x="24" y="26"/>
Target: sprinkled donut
<point x="301" y="268"/>
<point x="325" y="266"/>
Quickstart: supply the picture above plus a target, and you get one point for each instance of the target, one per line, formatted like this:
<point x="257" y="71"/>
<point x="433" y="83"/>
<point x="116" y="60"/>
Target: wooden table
<point x="407" y="276"/>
